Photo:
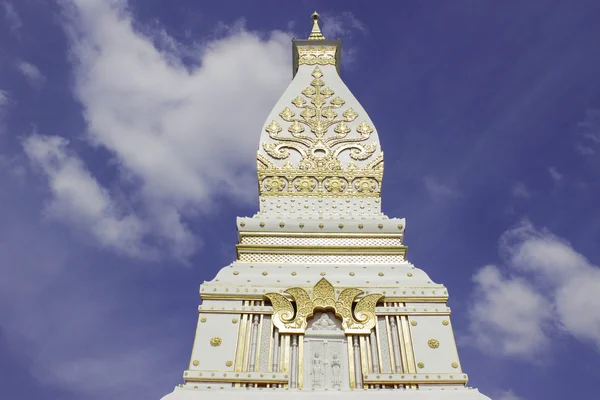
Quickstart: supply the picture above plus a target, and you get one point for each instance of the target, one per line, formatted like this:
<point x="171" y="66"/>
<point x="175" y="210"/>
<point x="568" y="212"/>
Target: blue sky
<point x="128" y="132"/>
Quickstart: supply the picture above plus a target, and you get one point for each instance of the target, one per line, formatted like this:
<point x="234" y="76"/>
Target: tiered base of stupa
<point x="220" y="393"/>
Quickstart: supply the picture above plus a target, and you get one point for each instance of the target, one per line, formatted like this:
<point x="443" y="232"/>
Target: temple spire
<point x="316" y="34"/>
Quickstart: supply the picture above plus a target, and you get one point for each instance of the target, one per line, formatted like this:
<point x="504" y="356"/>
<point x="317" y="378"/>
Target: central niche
<point x="325" y="353"/>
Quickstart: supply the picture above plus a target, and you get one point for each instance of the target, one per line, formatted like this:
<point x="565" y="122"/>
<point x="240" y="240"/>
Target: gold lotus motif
<point x="294" y="320"/>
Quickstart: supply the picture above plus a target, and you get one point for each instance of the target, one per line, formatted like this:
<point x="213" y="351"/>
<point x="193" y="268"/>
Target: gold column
<point x="258" y="345"/>
<point x="377" y="335"/>
<point x="300" y="361"/>
<point x="351" y="363"/>
<point x="390" y="348"/>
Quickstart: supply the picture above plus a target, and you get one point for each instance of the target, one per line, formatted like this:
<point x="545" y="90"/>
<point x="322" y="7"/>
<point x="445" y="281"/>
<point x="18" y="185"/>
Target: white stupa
<point x="321" y="300"/>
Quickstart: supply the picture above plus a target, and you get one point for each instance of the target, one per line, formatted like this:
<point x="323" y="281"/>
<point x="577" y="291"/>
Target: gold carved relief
<point x="320" y="171"/>
<point x="316" y="55"/>
<point x="290" y="320"/>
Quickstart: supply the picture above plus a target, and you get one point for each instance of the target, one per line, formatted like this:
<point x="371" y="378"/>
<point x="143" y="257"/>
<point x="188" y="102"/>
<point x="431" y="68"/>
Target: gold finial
<point x="316" y="34"/>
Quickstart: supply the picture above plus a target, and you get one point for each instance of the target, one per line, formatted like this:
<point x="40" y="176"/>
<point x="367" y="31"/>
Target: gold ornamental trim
<point x="317" y="55"/>
<point x="294" y="320"/>
<point x="418" y="378"/>
<point x="236" y="377"/>
<point x="305" y="249"/>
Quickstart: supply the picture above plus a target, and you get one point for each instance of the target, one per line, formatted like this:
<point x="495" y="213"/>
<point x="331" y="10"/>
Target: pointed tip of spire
<point x="316" y="34"/>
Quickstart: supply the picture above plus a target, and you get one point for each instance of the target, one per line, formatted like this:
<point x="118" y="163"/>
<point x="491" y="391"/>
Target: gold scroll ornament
<point x="288" y="320"/>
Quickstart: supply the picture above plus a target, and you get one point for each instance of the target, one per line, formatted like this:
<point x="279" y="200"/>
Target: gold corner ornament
<point x="320" y="171"/>
<point x="294" y="320"/>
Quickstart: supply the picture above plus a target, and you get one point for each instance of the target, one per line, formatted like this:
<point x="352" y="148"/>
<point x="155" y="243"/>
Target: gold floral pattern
<point x="320" y="170"/>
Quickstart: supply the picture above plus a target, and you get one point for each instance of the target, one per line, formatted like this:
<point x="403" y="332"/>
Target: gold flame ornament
<point x="290" y="320"/>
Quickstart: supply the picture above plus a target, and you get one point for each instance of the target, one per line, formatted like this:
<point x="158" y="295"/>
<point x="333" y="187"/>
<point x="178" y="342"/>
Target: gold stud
<point x="360" y="226"/>
<point x="380" y="274"/>
<point x="351" y="273"/>
<point x="294" y="273"/>
<point x="262" y="224"/>
<point x="413" y="323"/>
<point x="321" y="226"/>
<point x="229" y="363"/>
<point x="203" y="319"/>
<point x="399" y="226"/>
<point x="196" y="363"/>
<point x="454" y="365"/>
<point x="409" y="274"/>
<point x="445" y="322"/>
<point x="433" y="343"/>
<point x="301" y="225"/>
<point x="236" y="272"/>
<point x="216" y="341"/>
<point x="282" y="224"/>
<point x="242" y="224"/>
<point x="235" y="320"/>
<point x="323" y="274"/>
<point x="421" y="365"/>
<point x="341" y="226"/>
<point x="265" y="273"/>
<point x="380" y="226"/>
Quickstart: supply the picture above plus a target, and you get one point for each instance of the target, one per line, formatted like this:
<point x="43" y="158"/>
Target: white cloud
<point x="519" y="190"/>
<point x="438" y="189"/>
<point x="79" y="199"/>
<point x="556" y="176"/>
<point x="4" y="102"/>
<point x="545" y="288"/>
<point x="13" y="21"/>
<point x="507" y="315"/>
<point x="341" y="24"/>
<point x="507" y="395"/>
<point x="182" y="135"/>
<point x="31" y="73"/>
<point x="584" y="150"/>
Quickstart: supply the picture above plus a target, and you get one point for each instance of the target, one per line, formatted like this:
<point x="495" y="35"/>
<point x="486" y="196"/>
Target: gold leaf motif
<point x="364" y="128"/>
<point x="296" y="128"/>
<point x="317" y="73"/>
<point x="337" y="102"/>
<point x="299" y="102"/>
<point x="287" y="114"/>
<point x="273" y="128"/>
<point x="350" y="115"/>
<point x="342" y="128"/>
<point x="327" y="92"/>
